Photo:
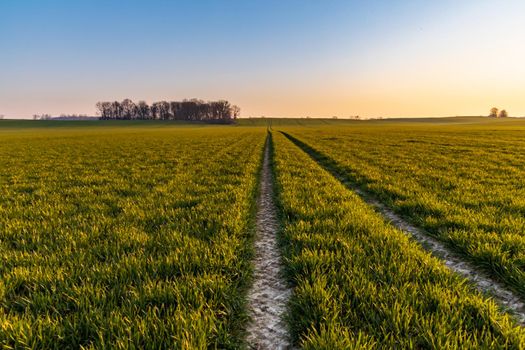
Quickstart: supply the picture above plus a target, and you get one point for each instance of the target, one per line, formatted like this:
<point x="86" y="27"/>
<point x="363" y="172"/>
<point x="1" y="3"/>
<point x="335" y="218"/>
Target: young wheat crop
<point x="360" y="283"/>
<point x="126" y="238"/>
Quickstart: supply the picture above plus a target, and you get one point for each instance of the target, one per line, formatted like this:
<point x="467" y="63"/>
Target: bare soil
<point x="270" y="293"/>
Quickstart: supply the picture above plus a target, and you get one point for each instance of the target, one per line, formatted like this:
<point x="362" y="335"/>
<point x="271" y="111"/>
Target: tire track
<point x="269" y="294"/>
<point x="508" y="299"/>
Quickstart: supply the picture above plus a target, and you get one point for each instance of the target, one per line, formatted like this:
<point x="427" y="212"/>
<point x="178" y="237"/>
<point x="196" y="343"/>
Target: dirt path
<point x="269" y="294"/>
<point x="504" y="296"/>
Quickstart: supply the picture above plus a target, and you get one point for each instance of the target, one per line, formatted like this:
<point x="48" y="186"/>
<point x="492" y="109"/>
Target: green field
<point x="463" y="184"/>
<point x="140" y="234"/>
<point x="360" y="282"/>
<point x="126" y="238"/>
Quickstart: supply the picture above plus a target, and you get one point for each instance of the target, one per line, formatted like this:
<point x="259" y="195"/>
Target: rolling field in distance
<point x="137" y="234"/>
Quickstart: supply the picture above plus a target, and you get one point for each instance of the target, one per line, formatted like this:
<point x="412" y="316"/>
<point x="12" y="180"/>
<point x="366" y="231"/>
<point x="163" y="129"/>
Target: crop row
<point x="462" y="185"/>
<point x="360" y="283"/>
<point x="136" y="238"/>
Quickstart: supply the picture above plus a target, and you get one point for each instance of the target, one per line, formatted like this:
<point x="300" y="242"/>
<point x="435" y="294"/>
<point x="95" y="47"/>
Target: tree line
<point x="189" y="110"/>
<point x="494" y="113"/>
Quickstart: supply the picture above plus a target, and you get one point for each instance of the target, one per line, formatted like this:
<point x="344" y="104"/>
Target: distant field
<point x="9" y="124"/>
<point x="139" y="234"/>
<point x="315" y="122"/>
<point x="275" y="122"/>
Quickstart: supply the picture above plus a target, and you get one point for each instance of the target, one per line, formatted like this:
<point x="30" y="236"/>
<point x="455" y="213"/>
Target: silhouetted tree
<point x="154" y="111"/>
<point x="236" y="111"/>
<point x="41" y="117"/>
<point x="128" y="109"/>
<point x="192" y="110"/>
<point x="143" y="110"/>
<point x="104" y="110"/>
<point x="493" y="112"/>
<point x="163" y="110"/>
<point x="175" y="108"/>
<point x="503" y="114"/>
<point x="116" y="110"/>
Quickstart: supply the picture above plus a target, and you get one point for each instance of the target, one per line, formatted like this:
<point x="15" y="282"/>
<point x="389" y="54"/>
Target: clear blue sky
<point x="279" y="58"/>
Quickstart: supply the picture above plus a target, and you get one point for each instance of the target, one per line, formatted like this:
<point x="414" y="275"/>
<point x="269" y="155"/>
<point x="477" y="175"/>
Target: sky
<point x="287" y="58"/>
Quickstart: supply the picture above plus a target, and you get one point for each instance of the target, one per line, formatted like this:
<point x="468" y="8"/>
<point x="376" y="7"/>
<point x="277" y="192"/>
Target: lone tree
<point x="493" y="112"/>
<point x="503" y="114"/>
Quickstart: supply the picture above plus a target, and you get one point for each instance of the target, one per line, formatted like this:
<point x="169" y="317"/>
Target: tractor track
<point x="505" y="297"/>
